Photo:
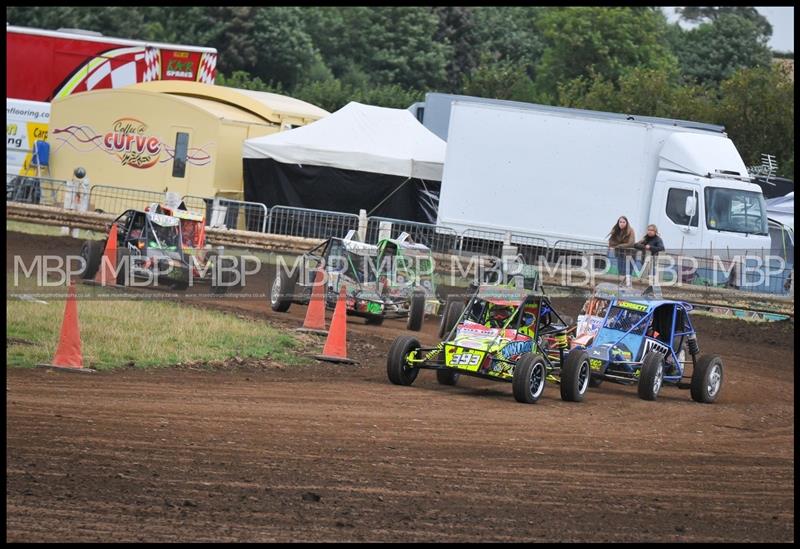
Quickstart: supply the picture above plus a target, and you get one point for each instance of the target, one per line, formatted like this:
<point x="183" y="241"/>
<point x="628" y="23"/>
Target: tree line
<point x="619" y="59"/>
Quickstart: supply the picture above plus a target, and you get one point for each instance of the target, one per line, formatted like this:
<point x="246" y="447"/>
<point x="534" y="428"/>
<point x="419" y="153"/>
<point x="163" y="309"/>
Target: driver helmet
<point x="528" y="319"/>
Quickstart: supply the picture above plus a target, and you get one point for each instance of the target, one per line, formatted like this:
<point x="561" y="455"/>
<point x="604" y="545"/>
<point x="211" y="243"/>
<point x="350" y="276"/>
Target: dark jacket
<point x="655" y="242"/>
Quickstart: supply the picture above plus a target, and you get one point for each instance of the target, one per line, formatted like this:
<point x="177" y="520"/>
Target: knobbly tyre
<point x="168" y="244"/>
<point x="405" y="279"/>
<point x="644" y="342"/>
<point x="504" y="333"/>
<point x="343" y="261"/>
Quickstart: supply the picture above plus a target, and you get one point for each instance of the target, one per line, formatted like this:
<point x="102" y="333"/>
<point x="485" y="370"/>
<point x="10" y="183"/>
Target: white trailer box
<point x="569" y="176"/>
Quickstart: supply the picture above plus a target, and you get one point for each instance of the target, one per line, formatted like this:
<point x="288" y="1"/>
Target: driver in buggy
<point x="498" y="315"/>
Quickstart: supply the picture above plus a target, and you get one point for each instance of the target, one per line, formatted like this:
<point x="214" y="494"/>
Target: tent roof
<point x="271" y="107"/>
<point x="358" y="137"/>
<point x="781" y="209"/>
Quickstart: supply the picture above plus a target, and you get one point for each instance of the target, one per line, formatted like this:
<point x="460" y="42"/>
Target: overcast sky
<point x="781" y="19"/>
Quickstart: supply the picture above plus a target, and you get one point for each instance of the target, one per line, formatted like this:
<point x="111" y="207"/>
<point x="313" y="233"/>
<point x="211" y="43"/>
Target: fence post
<point x="384" y="230"/>
<point x="362" y="225"/>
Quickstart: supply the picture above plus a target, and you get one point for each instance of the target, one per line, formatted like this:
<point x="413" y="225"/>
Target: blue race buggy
<point x="644" y="342"/>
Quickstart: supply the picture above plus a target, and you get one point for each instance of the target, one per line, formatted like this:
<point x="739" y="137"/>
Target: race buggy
<point x="504" y="333"/>
<point x="164" y="244"/>
<point x="644" y="342"/>
<point x="405" y="276"/>
<point x="343" y="261"/>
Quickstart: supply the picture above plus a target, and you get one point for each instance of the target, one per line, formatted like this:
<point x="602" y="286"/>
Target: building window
<point x="676" y="207"/>
<point x="181" y="151"/>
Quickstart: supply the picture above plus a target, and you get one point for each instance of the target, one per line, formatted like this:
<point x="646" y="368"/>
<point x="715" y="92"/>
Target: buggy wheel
<point x="92" y="253"/>
<point x="416" y="311"/>
<point x="595" y="382"/>
<point x="280" y="296"/>
<point x="447" y="377"/>
<point x="530" y="374"/>
<point x="575" y="376"/>
<point x="124" y="266"/>
<point x="651" y="376"/>
<point x="398" y="370"/>
<point x="374" y="320"/>
<point x="182" y="283"/>
<point x="707" y="379"/>
<point x="220" y="284"/>
<point x="450" y="317"/>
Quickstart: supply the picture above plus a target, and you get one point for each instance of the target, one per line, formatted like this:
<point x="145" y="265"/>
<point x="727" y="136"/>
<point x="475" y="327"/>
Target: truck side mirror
<point x="691" y="206"/>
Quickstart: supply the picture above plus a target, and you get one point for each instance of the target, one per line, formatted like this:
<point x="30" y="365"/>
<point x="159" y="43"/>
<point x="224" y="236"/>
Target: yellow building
<point x="183" y="137"/>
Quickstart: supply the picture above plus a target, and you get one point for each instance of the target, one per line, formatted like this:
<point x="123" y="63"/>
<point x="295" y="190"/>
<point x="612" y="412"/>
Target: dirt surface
<point x="325" y="452"/>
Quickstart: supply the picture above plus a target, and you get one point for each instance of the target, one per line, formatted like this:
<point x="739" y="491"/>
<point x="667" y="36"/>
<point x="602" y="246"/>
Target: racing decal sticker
<point x="634" y="306"/>
<point x="463" y="359"/>
<point x="516" y="348"/>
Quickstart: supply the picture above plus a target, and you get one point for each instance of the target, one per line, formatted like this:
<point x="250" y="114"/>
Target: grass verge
<point x="146" y="333"/>
<point x="49" y="230"/>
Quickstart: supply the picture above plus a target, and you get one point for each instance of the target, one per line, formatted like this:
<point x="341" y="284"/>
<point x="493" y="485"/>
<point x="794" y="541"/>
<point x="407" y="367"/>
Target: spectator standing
<point x="621" y="241"/>
<point x="651" y="245"/>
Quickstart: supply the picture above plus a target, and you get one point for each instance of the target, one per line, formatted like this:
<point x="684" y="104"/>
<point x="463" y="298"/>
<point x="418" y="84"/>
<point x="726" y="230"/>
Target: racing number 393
<point x="465" y="359"/>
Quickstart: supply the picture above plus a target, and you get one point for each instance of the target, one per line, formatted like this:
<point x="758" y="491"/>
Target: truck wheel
<point x="280" y="296"/>
<point x="447" y="377"/>
<point x="398" y="370"/>
<point x="651" y="376"/>
<point x="416" y="311"/>
<point x="575" y="376"/>
<point x="450" y="317"/>
<point x="707" y="379"/>
<point x="92" y="253"/>
<point x="529" y="377"/>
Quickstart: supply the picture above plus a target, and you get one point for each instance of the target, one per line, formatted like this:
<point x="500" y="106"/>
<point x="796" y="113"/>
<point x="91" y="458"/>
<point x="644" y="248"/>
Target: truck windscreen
<point x="735" y="210"/>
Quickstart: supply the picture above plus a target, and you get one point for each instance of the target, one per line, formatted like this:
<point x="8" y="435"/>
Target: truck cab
<point x="703" y="200"/>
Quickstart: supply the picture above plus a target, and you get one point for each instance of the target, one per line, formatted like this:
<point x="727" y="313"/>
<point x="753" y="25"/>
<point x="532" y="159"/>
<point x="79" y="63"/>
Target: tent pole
<point x="388" y="196"/>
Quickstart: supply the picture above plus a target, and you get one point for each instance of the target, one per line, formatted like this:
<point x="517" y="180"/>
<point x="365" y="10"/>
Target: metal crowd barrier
<point x="482" y="242"/>
<point x="436" y="237"/>
<point x="116" y="200"/>
<point x="320" y="224"/>
<point x="229" y="213"/>
<point x="27" y="189"/>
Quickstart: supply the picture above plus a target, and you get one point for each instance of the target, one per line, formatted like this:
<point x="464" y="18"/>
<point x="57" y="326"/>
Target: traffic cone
<point x="68" y="353"/>
<point x="315" y="314"/>
<point x="335" y="349"/>
<point x="108" y="263"/>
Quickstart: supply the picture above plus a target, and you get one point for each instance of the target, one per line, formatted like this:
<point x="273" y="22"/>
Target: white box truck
<point x="564" y="175"/>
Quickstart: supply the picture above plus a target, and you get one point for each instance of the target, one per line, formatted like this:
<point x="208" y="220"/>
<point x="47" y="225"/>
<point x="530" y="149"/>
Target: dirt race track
<point x="335" y="453"/>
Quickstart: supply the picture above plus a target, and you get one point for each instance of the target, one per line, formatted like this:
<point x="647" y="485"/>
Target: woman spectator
<point x="651" y="245"/>
<point x="621" y="241"/>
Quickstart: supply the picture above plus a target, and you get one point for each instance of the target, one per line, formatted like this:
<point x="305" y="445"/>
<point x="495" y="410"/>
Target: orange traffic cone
<point x="335" y="349"/>
<point x="108" y="263"/>
<point x="315" y="314"/>
<point x="68" y="353"/>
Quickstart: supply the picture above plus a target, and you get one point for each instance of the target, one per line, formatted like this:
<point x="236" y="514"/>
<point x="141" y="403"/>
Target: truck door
<point x="676" y="210"/>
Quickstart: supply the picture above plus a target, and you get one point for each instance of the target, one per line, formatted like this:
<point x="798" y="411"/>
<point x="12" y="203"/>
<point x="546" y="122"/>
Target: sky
<point x="781" y="19"/>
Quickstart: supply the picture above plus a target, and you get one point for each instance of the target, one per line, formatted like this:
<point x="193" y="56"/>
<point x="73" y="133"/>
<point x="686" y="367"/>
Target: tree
<point x="709" y="13"/>
<point x="500" y="80"/>
<point x="712" y="52"/>
<point x="641" y="92"/>
<point x="381" y="45"/>
<point x="457" y="28"/>
<point x="581" y="41"/>
<point x="757" y="109"/>
<point x="510" y="34"/>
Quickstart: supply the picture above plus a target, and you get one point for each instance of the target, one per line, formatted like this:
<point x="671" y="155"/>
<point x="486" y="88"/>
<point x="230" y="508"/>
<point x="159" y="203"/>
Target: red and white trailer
<point x="43" y="65"/>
